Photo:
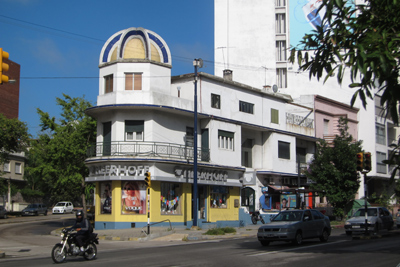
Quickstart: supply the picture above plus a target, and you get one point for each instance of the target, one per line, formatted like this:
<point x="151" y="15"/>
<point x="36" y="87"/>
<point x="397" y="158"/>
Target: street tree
<point x="363" y="42"/>
<point x="14" y="138"/>
<point x="333" y="169"/>
<point x="59" y="153"/>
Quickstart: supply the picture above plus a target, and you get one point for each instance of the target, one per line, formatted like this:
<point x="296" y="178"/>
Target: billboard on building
<point x="304" y="17"/>
<point x="133" y="198"/>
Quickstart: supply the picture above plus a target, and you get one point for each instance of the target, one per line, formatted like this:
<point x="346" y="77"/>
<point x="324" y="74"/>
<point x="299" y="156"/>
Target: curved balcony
<point x="147" y="149"/>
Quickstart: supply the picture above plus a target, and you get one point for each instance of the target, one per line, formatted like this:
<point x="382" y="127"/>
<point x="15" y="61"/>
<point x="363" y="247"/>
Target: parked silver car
<point x="294" y="226"/>
<point x="378" y="218"/>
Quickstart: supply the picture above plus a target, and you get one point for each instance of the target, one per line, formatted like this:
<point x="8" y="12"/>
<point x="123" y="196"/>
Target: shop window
<point x="108" y="83"/>
<point x="133" y="198"/>
<point x="219" y="197"/>
<point x="134" y="130"/>
<point x="215" y="101"/>
<point x="225" y="140"/>
<point x="105" y="198"/>
<point x="171" y="199"/>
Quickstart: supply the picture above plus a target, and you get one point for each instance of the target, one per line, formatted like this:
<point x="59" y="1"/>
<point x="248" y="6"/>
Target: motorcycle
<point x="256" y="216"/>
<point x="68" y="247"/>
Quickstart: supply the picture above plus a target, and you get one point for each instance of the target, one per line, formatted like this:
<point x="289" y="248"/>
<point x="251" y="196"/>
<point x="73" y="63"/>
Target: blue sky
<point x="58" y="43"/>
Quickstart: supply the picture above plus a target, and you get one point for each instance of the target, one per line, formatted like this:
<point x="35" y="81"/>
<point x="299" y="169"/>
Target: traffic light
<point x="147" y="179"/>
<point x="367" y="162"/>
<point x="360" y="161"/>
<point x="3" y="66"/>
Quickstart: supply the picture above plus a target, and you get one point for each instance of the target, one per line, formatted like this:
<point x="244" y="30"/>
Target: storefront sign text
<point x="202" y="174"/>
<point x="118" y="170"/>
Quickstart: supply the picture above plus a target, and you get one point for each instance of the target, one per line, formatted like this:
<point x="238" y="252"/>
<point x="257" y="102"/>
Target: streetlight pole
<point x="197" y="63"/>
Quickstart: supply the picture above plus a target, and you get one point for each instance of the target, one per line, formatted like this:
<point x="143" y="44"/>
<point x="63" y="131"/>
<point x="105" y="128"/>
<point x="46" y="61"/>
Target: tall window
<point x="225" y="140"/>
<point x="281" y="51"/>
<point x="380" y="166"/>
<point x="134" y="130"/>
<point x="215" y="101"/>
<point x="280" y="2"/>
<point x="108" y="83"/>
<point x="6" y="166"/>
<point x="280" y="23"/>
<point x="246" y="107"/>
<point x="281" y="78"/>
<point x="283" y="150"/>
<point x="274" y="116"/>
<point x="326" y="127"/>
<point x="380" y="134"/>
<point x="18" y="168"/>
<point x="133" y="81"/>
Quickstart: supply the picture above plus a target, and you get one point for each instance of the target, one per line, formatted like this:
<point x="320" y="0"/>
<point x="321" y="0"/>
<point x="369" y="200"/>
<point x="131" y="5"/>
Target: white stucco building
<point x="145" y="123"/>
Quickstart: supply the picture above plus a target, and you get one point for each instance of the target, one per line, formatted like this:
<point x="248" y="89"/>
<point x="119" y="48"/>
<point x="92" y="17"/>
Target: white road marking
<point x="293" y="249"/>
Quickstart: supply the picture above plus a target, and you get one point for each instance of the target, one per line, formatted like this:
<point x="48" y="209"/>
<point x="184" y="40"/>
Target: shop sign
<point x="202" y="174"/>
<point x="118" y="170"/>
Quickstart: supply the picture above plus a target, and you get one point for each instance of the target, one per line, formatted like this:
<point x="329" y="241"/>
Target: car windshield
<point x="361" y="212"/>
<point x="288" y="216"/>
<point x="60" y="204"/>
<point x="32" y="206"/>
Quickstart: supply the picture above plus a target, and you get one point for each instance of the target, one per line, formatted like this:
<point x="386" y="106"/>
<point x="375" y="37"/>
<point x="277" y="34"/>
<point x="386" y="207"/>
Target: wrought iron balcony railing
<point x="147" y="149"/>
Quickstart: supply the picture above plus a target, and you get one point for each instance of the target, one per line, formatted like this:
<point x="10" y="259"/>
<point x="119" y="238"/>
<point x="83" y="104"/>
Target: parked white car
<point x="63" y="207"/>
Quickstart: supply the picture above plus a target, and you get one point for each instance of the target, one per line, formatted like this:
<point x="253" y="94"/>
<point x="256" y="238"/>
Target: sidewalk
<point x="167" y="234"/>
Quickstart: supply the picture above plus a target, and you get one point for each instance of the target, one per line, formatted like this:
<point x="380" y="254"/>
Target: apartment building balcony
<point x="140" y="149"/>
<point x="299" y="124"/>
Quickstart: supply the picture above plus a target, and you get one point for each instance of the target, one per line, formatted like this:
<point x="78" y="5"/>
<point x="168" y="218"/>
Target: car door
<point x="319" y="223"/>
<point x="386" y="218"/>
<point x="307" y="224"/>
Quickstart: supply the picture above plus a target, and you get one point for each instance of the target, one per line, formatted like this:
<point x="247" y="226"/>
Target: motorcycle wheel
<point x="91" y="252"/>
<point x="56" y="254"/>
<point x="254" y="219"/>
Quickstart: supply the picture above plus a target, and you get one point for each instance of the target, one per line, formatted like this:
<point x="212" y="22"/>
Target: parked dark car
<point x="398" y="219"/>
<point x="378" y="218"/>
<point x="35" y="209"/>
<point x="294" y="226"/>
<point x="3" y="212"/>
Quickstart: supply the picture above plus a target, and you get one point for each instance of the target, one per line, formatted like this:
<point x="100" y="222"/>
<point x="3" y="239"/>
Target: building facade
<point x="145" y="123"/>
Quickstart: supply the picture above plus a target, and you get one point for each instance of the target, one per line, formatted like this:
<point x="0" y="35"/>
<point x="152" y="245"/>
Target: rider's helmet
<point x="79" y="216"/>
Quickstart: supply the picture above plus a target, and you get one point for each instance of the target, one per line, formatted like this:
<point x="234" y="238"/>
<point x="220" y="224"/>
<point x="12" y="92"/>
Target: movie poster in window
<point x="133" y="200"/>
<point x="105" y="199"/>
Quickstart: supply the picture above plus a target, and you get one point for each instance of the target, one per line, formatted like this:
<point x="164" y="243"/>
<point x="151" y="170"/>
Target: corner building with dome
<point x="145" y="123"/>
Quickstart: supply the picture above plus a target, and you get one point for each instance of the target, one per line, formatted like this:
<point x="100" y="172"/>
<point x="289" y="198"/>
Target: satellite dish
<point x="275" y="88"/>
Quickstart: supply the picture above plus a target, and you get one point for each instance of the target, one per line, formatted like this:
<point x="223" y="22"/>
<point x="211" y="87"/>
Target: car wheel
<point x="298" y="240"/>
<point x="45" y="213"/>
<point x="376" y="229"/>
<point x="264" y="243"/>
<point x="324" y="237"/>
<point x="398" y="226"/>
<point x="349" y="233"/>
<point x="36" y="213"/>
<point x="5" y="216"/>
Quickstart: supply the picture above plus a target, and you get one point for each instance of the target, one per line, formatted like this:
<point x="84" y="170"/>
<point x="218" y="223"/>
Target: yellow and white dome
<point x="135" y="43"/>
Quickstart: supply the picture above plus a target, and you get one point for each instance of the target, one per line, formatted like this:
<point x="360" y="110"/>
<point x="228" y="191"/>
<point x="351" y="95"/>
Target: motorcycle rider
<point x="83" y="228"/>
